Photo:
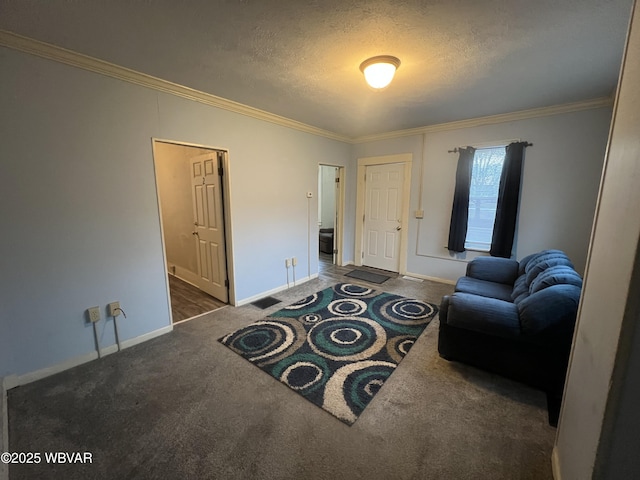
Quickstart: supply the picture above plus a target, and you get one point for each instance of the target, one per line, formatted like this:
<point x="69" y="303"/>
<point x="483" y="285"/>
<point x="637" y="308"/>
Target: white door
<point x="209" y="224"/>
<point x="382" y="218"/>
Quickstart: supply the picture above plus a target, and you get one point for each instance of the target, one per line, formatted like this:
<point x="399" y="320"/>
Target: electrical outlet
<point x="294" y="261"/>
<point x="114" y="309"/>
<point x="94" y="314"/>
<point x="287" y="262"/>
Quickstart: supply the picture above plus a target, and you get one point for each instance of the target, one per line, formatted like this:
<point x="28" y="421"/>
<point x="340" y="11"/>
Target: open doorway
<point x="191" y="194"/>
<point x="330" y="207"/>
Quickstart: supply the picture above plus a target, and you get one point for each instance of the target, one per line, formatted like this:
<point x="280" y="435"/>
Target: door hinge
<point x="337" y="179"/>
<point x="362" y="255"/>
<point x="226" y="283"/>
<point x="220" y="171"/>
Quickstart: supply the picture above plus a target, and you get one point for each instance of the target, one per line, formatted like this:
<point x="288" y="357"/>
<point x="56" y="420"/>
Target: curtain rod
<point x="457" y="149"/>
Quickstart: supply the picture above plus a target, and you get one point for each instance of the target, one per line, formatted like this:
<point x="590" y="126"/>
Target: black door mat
<point x="367" y="276"/>
<point x="265" y="302"/>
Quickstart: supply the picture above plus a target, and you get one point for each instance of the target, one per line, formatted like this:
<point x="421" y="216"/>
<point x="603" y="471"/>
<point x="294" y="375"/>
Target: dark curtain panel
<point x="460" y="210"/>
<point x="504" y="227"/>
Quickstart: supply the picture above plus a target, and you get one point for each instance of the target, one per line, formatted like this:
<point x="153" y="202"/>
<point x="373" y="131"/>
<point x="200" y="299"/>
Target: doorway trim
<point x="340" y="198"/>
<point x="363" y="163"/>
<point x="226" y="200"/>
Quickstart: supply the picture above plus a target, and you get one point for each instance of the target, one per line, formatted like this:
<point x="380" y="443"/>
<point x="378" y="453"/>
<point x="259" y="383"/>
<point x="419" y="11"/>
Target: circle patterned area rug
<point x="336" y="347"/>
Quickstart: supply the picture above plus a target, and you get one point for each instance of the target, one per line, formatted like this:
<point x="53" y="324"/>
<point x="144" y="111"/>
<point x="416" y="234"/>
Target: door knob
<point x="398" y="228"/>
<point x="194" y="233"/>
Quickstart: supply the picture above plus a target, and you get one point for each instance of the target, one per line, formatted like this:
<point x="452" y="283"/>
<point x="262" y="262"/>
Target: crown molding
<point x="492" y="119"/>
<point x="85" y="62"/>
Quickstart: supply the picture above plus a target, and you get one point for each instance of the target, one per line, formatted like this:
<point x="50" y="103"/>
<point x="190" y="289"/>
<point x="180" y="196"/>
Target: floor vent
<point x="265" y="302"/>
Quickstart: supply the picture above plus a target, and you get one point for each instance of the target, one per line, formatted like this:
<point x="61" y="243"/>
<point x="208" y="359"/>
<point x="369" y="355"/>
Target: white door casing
<point x="208" y="220"/>
<point x="339" y="192"/>
<point x="336" y="227"/>
<point x="383" y="216"/>
<point x="405" y="159"/>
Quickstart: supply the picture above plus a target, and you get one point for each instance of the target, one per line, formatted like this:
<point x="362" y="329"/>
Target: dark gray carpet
<point x="185" y="406"/>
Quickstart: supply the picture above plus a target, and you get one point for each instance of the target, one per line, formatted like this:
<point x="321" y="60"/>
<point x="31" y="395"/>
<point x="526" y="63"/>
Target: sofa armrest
<point x="551" y="311"/>
<point x="493" y="269"/>
<point x="482" y="314"/>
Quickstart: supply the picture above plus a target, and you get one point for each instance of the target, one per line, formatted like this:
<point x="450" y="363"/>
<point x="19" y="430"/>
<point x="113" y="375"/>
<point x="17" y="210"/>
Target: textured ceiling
<point x="299" y="58"/>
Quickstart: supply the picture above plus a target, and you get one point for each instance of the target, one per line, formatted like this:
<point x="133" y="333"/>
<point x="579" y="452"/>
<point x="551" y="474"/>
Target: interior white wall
<point x="558" y="195"/>
<point x="598" y="427"/>
<point x="79" y="197"/>
<point x="173" y="173"/>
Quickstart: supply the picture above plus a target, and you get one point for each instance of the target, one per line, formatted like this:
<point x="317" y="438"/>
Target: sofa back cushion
<point x="520" y="289"/>
<point x="525" y="261"/>
<point x="534" y="257"/>
<point x="556" y="275"/>
<point x="542" y="262"/>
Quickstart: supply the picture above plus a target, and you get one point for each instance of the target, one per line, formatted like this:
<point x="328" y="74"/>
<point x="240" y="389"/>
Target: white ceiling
<point x="299" y="58"/>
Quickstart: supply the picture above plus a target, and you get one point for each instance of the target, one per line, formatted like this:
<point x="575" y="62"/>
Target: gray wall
<point x="559" y="187"/>
<point x="80" y="209"/>
<point x="80" y="202"/>
<point x="599" y="423"/>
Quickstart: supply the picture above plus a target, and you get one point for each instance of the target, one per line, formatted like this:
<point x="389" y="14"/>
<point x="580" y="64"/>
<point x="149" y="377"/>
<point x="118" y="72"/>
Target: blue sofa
<point x="515" y="319"/>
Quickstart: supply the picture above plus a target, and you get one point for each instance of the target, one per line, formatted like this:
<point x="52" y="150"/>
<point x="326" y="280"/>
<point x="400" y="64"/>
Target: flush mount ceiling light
<point x="379" y="71"/>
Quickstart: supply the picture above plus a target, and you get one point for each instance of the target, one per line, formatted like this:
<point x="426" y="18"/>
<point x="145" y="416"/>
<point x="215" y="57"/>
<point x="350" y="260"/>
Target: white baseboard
<point x="184" y="275"/>
<point x="281" y="288"/>
<point x="4" y="423"/>
<point x="13" y="381"/>
<point x="555" y="464"/>
<point x="145" y="337"/>
<point x="198" y="316"/>
<point x="433" y="279"/>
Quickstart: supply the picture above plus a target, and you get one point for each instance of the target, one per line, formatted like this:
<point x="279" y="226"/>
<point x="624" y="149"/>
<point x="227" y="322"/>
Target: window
<point x="483" y="197"/>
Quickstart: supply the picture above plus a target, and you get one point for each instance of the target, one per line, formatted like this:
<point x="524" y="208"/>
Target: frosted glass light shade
<point x="379" y="71"/>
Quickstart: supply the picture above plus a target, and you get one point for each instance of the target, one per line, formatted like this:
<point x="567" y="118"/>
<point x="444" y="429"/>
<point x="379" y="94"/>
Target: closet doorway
<point x="191" y="187"/>
<point x="330" y="212"/>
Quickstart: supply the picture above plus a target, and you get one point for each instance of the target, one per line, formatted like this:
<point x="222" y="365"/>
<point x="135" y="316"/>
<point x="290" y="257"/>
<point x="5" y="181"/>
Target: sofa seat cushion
<point x="484" y="288"/>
